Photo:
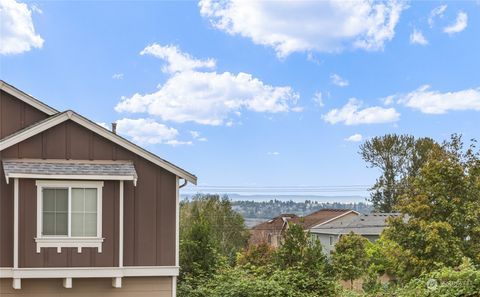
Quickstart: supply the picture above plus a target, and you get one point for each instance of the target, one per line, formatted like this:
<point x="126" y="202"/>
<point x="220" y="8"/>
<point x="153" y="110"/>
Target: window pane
<point x="78" y="203"/>
<point x="91" y="200"/>
<point x="77" y="224"/>
<point x="61" y="224"/>
<point x="61" y="200"/>
<point x="48" y="224"/>
<point x="48" y="199"/>
<point x="91" y="224"/>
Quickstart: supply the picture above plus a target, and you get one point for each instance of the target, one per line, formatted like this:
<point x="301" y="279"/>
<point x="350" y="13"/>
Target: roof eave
<point x="71" y="115"/>
<point x="29" y="99"/>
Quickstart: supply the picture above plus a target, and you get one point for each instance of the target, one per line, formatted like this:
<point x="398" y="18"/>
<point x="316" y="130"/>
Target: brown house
<point x="271" y="231"/>
<point x="82" y="210"/>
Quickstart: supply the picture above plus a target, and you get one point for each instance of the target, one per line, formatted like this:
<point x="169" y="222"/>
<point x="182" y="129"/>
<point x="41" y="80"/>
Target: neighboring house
<point x="82" y="210"/>
<point x="368" y="225"/>
<point x="271" y="231"/>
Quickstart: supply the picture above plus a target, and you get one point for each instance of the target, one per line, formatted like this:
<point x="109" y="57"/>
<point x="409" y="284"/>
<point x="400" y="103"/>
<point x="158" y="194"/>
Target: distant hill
<point x="296" y="198"/>
<point x="285" y="197"/>
<point x="257" y="208"/>
<point x="273" y="208"/>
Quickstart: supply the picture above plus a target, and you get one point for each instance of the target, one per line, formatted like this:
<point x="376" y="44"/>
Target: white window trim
<point x="68" y="241"/>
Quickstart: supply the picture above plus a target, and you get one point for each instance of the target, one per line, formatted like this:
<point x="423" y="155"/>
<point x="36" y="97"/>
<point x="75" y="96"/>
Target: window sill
<point x="59" y="243"/>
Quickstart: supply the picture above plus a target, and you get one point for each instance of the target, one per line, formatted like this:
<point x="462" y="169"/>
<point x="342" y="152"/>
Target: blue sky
<point x="231" y="92"/>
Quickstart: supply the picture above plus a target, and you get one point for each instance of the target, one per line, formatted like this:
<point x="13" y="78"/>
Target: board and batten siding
<point x="149" y="220"/>
<point x="14" y="115"/>
<point x="131" y="286"/>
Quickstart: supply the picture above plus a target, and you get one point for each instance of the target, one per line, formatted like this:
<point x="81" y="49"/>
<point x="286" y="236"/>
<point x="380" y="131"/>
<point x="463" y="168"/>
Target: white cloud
<point x="416" y="37"/>
<point x="436" y="12"/>
<point x="146" y="131"/>
<point x="389" y="100"/>
<point x="177" y="60"/>
<point x="273" y="153"/>
<point x="338" y="80"/>
<point x="209" y="98"/>
<point x="175" y="142"/>
<point x="36" y="9"/>
<point x="104" y="125"/>
<point x="297" y="109"/>
<point x="434" y="102"/>
<point x="197" y="136"/>
<point x="303" y="26"/>
<point x="351" y="114"/>
<point x="117" y="76"/>
<point x="17" y="30"/>
<point x="459" y="25"/>
<point x="318" y="99"/>
<point x="354" y="138"/>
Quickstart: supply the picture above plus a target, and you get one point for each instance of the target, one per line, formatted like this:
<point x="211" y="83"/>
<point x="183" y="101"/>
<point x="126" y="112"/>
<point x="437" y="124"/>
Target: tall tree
<point x="227" y="229"/>
<point x="350" y="258"/>
<point x="299" y="250"/>
<point x="399" y="158"/>
<point x="441" y="211"/>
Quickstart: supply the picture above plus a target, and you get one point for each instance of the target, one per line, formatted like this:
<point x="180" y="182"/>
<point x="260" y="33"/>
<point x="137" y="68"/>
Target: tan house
<point x="82" y="210"/>
<point x="272" y="230"/>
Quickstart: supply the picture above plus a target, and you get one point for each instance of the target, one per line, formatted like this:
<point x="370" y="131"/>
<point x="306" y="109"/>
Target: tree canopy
<point x="399" y="158"/>
<point x="440" y="222"/>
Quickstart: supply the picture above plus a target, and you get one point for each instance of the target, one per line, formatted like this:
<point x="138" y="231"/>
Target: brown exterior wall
<point x="131" y="286"/>
<point x="14" y="115"/>
<point x="149" y="221"/>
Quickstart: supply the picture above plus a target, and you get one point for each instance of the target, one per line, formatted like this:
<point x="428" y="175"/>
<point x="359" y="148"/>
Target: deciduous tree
<point x="350" y="258"/>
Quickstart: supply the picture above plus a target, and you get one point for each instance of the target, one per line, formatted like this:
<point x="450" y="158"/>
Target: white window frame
<point x="68" y="241"/>
<point x="332" y="240"/>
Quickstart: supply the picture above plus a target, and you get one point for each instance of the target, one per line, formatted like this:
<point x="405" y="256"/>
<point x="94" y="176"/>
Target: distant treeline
<point x="272" y="208"/>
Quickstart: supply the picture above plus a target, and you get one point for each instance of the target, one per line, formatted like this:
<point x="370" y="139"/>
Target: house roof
<point x="321" y="216"/>
<point x="364" y="224"/>
<point x="83" y="169"/>
<point x="59" y="118"/>
<point x="29" y="99"/>
<point x="277" y="223"/>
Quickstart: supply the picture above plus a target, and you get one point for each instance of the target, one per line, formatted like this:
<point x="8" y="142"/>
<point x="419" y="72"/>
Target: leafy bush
<point x="250" y="281"/>
<point x="446" y="282"/>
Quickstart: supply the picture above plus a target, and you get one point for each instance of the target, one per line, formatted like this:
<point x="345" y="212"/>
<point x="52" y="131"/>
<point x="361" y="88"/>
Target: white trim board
<point x="89" y="272"/>
<point x="30" y="100"/>
<point x="71" y="115"/>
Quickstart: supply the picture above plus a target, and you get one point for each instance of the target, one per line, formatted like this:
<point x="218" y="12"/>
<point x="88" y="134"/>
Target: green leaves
<point x="350" y="258"/>
<point x="441" y="212"/>
<point x="399" y="158"/>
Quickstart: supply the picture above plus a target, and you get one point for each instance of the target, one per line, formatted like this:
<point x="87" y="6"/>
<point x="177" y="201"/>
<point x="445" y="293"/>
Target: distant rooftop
<point x="364" y="224"/>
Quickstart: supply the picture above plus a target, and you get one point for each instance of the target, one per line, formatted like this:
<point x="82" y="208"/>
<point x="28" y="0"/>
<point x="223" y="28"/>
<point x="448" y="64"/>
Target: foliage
<point x="298" y="250"/>
<point x="463" y="281"/>
<point x="198" y="255"/>
<point x="383" y="255"/>
<point x="211" y="233"/>
<point x="441" y="212"/>
<point x="399" y="158"/>
<point x="256" y="255"/>
<point x="350" y="258"/>
<point x="227" y="233"/>
<point x="241" y="281"/>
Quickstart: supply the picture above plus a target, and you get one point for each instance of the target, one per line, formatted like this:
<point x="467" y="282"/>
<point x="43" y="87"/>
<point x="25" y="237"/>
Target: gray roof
<point x="364" y="224"/>
<point x="15" y="167"/>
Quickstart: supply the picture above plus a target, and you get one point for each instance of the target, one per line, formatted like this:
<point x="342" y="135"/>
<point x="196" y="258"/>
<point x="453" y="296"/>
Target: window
<point x="69" y="214"/>
<point x="332" y="241"/>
